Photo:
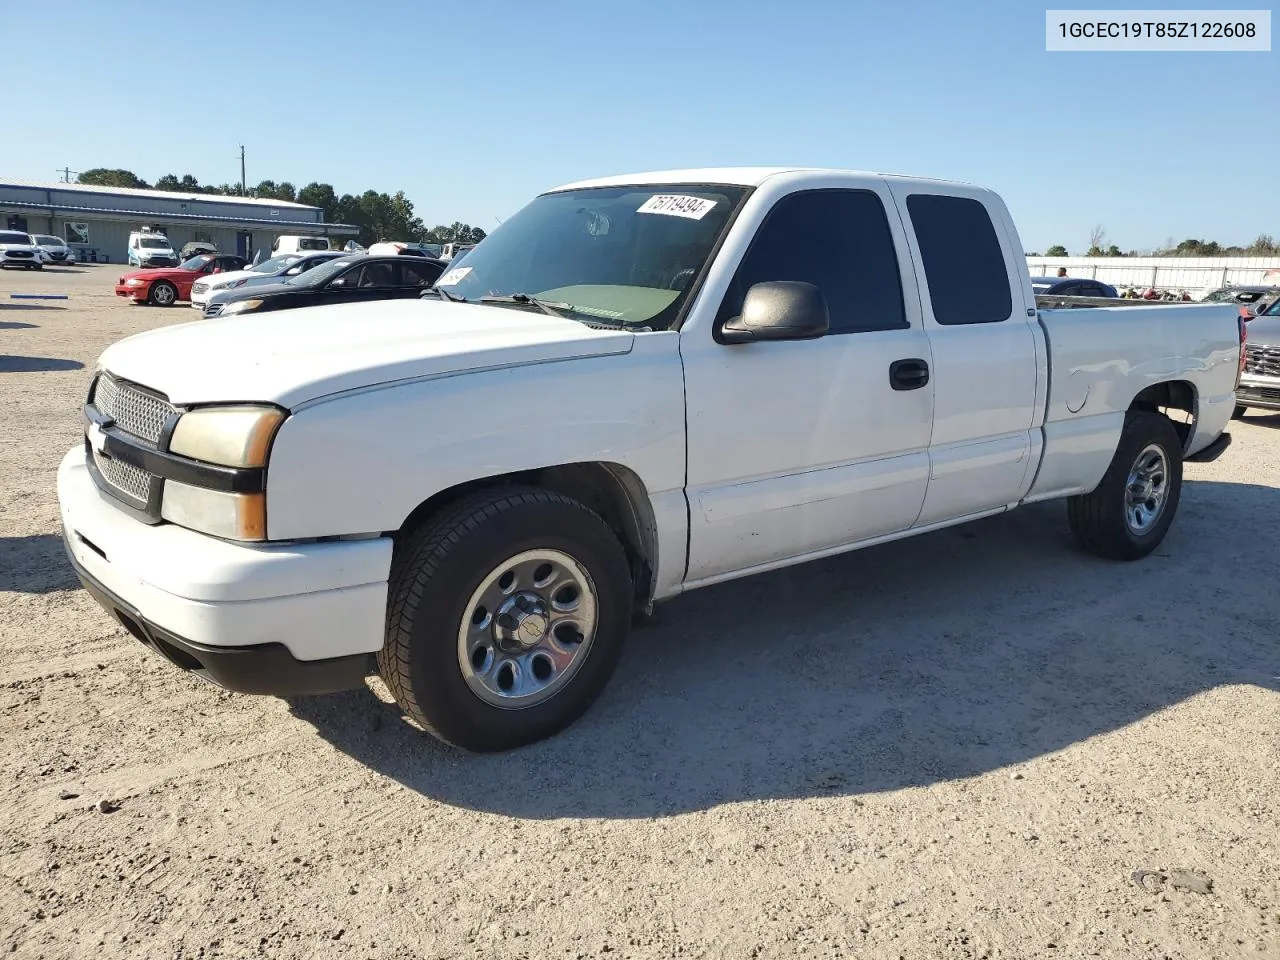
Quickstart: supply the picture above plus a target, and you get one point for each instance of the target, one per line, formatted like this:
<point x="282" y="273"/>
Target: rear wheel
<point x="163" y="294"/>
<point x="508" y="613"/>
<point x="1130" y="512"/>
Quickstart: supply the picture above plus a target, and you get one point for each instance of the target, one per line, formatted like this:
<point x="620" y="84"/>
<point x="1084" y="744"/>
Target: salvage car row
<point x="33" y="251"/>
<point x="216" y="284"/>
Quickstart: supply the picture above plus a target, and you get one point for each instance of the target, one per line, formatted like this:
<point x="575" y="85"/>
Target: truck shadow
<point x="1263" y="418"/>
<point x="937" y="658"/>
<point x="35" y="564"/>
<point x="37" y="364"/>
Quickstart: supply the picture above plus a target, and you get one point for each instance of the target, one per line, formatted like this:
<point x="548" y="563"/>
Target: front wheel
<point x="1130" y="511"/>
<point x="508" y="613"/>
<point x="163" y="294"/>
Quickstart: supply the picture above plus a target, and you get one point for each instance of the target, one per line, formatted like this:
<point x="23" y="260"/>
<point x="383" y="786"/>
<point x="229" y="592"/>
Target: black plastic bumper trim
<point x="172" y="467"/>
<point x="1213" y="451"/>
<point x="267" y="668"/>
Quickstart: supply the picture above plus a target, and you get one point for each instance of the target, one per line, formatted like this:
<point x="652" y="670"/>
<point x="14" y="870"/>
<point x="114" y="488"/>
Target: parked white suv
<point x="19" y="250"/>
<point x="635" y="387"/>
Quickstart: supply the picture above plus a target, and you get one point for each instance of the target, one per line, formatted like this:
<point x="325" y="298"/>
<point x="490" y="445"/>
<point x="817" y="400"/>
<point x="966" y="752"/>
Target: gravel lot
<point x="964" y="745"/>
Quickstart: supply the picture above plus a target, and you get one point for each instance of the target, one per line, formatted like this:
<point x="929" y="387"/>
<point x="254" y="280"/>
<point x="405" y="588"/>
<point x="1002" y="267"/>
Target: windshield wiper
<point x="550" y="309"/>
<point x="443" y="294"/>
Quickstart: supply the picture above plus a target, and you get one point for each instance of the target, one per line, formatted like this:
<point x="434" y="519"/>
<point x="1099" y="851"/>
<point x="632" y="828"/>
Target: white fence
<point x="1196" y="275"/>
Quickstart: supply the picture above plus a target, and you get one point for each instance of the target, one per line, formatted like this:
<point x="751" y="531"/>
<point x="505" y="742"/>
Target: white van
<point x="297" y="244"/>
<point x="151" y="248"/>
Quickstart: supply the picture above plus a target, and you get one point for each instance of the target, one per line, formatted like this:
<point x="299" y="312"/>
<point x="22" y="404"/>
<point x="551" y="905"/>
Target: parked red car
<point x="165" y="286"/>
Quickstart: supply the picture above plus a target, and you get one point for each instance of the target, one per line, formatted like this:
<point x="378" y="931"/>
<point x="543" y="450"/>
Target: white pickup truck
<point x="636" y="386"/>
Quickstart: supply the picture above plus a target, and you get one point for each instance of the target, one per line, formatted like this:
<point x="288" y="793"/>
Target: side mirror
<point x="779" y="310"/>
<point x="1250" y="311"/>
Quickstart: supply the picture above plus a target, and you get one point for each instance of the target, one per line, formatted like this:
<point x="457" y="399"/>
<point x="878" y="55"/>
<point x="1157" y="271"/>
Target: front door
<point x="799" y="447"/>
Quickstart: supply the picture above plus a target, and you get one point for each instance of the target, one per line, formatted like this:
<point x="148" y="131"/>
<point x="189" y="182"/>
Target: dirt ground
<point x="970" y="744"/>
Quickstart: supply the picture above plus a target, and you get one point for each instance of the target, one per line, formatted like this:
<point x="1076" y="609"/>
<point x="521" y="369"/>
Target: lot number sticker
<point x="456" y="275"/>
<point x="677" y="205"/>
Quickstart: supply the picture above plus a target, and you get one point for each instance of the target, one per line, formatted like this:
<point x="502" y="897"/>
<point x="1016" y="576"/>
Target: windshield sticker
<point x="677" y="205"/>
<point x="456" y="275"/>
<point x="600" y="312"/>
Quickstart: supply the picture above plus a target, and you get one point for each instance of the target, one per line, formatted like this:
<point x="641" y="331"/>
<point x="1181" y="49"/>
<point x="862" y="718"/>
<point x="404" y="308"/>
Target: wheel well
<point x="610" y="489"/>
<point x="1176" y="399"/>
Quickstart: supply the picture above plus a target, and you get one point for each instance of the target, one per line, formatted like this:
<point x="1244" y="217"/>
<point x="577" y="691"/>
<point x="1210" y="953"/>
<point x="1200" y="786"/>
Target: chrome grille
<point x="132" y="481"/>
<point x="213" y="309"/>
<point x="1262" y="360"/>
<point x="134" y="412"/>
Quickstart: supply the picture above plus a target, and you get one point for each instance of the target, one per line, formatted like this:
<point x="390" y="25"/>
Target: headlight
<point x="232" y="516"/>
<point x="236" y="283"/>
<point x="229" y="436"/>
<point x="134" y="282"/>
<point x="242" y="306"/>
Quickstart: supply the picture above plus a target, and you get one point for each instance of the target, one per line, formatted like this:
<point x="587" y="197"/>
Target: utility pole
<point x="66" y="174"/>
<point x="244" y="190"/>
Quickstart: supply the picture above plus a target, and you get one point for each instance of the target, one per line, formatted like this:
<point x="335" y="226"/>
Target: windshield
<point x="197" y="263"/>
<point x="275" y="264"/>
<point x="1271" y="311"/>
<point x="22" y="238"/>
<point x="153" y="243"/>
<point x="46" y="241"/>
<point x="1219" y="295"/>
<point x="318" y="275"/>
<point x="621" y="254"/>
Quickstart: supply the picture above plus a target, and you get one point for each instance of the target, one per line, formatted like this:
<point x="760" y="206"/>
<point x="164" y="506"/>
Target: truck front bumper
<point x="1263" y="392"/>
<point x="282" y="619"/>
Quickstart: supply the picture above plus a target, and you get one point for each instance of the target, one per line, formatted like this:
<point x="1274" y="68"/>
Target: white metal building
<point x="97" y="221"/>
<point x="1196" y="275"/>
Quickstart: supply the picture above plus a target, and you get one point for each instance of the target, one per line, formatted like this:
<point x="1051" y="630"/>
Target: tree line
<point x="379" y="216"/>
<point x="1263" y="246"/>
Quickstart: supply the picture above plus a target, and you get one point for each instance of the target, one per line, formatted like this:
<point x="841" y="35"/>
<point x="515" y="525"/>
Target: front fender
<point x="361" y="462"/>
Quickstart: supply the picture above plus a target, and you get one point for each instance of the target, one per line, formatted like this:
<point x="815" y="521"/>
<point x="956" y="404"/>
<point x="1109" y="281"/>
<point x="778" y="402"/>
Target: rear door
<point x="987" y="356"/>
<point x="415" y="275"/>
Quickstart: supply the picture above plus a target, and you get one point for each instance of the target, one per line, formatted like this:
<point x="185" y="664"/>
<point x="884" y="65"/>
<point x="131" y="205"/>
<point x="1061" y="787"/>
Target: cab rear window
<point x="963" y="263"/>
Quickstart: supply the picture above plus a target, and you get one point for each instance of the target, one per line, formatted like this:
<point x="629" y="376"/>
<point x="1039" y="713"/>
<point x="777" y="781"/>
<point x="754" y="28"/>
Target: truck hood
<point x="231" y="276"/>
<point x="293" y="356"/>
<point x="1264" y="331"/>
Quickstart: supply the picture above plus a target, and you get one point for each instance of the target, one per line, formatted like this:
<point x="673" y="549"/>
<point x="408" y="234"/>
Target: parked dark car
<point x="1072" y="287"/>
<point x="1260" y="379"/>
<point x="349" y="279"/>
<point x="194" y="249"/>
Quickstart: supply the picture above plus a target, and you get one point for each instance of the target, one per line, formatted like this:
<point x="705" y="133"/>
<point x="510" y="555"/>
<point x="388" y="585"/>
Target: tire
<point x="1107" y="522"/>
<point x="452" y="637"/>
<point x="162" y="294"/>
<point x="1239" y="412"/>
<point x="39" y="266"/>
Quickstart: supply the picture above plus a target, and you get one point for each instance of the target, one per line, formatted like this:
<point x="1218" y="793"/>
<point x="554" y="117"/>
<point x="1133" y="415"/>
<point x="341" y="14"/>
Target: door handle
<point x="909" y="374"/>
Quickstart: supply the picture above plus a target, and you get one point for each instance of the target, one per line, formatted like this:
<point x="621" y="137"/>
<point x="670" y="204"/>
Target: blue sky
<point x="471" y="108"/>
